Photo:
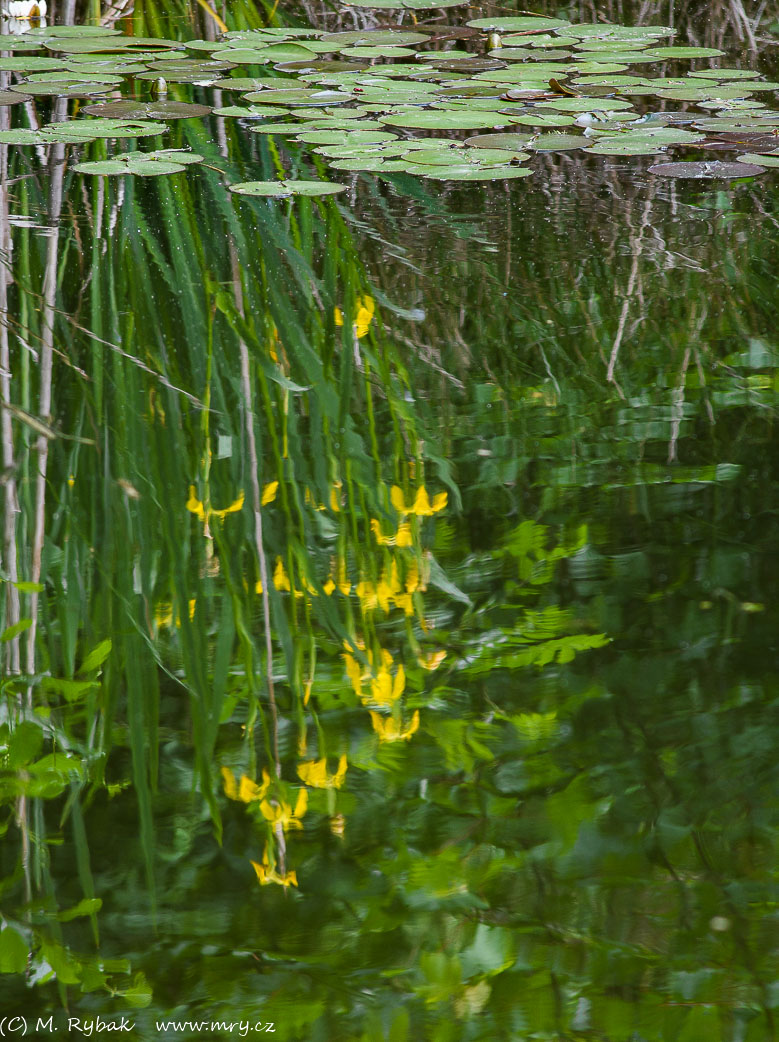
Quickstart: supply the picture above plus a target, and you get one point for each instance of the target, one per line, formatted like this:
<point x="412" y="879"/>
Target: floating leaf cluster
<point x="476" y="104"/>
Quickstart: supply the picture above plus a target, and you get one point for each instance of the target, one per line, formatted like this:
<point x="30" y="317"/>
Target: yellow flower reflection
<point x="431" y="661"/>
<point x="267" y="874"/>
<point x="401" y="538"/>
<point x="421" y="507"/>
<point x="365" y="310"/>
<point x="163" y="613"/>
<point x="386" y="689"/>
<point x="314" y="773"/>
<point x="197" y="507"/>
<point x="281" y="813"/>
<point x="390" y="730"/>
<point x="246" y="790"/>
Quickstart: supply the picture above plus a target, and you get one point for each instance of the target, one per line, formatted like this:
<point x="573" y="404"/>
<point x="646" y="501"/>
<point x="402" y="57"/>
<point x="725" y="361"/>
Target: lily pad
<point x="686" y="52"/>
<point x="103" y="128"/>
<point x="540" y="119"/>
<point x="559" y="142"/>
<point x="759" y="159"/>
<point x="21" y="137"/>
<point x="469" y="173"/>
<point x="374" y="37"/>
<point x="445" y="119"/>
<point x="709" y="171"/>
<point x="520" y="23"/>
<point x="492" y="141"/>
<point x="345" y="137"/>
<point x="135" y="164"/>
<point x="280" y="189"/>
<point x="62" y="89"/>
<point x="29" y="63"/>
<point x="13" y="97"/>
<point x="162" y="109"/>
<point x="613" y="147"/>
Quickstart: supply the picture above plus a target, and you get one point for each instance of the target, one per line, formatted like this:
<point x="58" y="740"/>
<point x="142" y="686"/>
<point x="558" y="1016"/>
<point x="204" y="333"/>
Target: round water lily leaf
<point x="437" y="156"/>
<point x="106" y="65"/>
<point x="103" y="128"/>
<point x="97" y="45"/>
<point x="170" y="155"/>
<point x="369" y="164"/>
<point x="540" y="119"/>
<point x="467" y="65"/>
<point x="266" y="189"/>
<point x="21" y="44"/>
<point x="512" y="54"/>
<point x="234" y="56"/>
<point x="351" y="125"/>
<point x="280" y="52"/>
<point x="511" y="142"/>
<point x="258" y="83"/>
<point x="686" y="52"/>
<point x="70" y="78"/>
<point x="550" y="40"/>
<point x="471" y="173"/>
<point x="161" y="109"/>
<point x="759" y="159"/>
<point x="664" y="135"/>
<point x="750" y="86"/>
<point x="29" y="63"/>
<point x="13" y="97"/>
<point x="484" y="154"/>
<point x="697" y="94"/>
<point x="203" y="79"/>
<point x="104" y="168"/>
<point x="608" y="45"/>
<point x="724" y="74"/>
<point x="470" y="90"/>
<point x="374" y="37"/>
<point x="444" y="119"/>
<point x="148" y="167"/>
<point x="274" y="32"/>
<point x="63" y="89"/>
<point x="559" y="142"/>
<point x="142" y="164"/>
<point x="611" y="81"/>
<point x="276" y="128"/>
<point x="286" y="188"/>
<point x="520" y="23"/>
<point x="281" y="97"/>
<point x="376" y="52"/>
<point x="603" y="67"/>
<point x="21" y="137"/>
<point x="712" y="170"/>
<point x="169" y="66"/>
<point x="321" y="65"/>
<point x="585" y="104"/>
<point x="611" y="147"/>
<point x="77" y="31"/>
<point x="344" y="137"/>
<point x="474" y="105"/>
<point x="250" y="111"/>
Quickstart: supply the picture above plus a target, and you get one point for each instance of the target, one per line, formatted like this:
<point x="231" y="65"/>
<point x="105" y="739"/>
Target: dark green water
<point x="545" y="689"/>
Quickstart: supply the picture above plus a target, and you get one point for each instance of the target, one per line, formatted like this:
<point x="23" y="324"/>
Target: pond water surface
<point x="390" y="595"/>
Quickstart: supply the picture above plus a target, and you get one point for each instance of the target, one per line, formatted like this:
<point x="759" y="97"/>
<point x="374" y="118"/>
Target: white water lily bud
<point x="494" y="41"/>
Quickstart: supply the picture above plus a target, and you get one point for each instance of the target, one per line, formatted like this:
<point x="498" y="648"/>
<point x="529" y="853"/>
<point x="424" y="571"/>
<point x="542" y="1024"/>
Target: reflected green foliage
<point x="494" y="483"/>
